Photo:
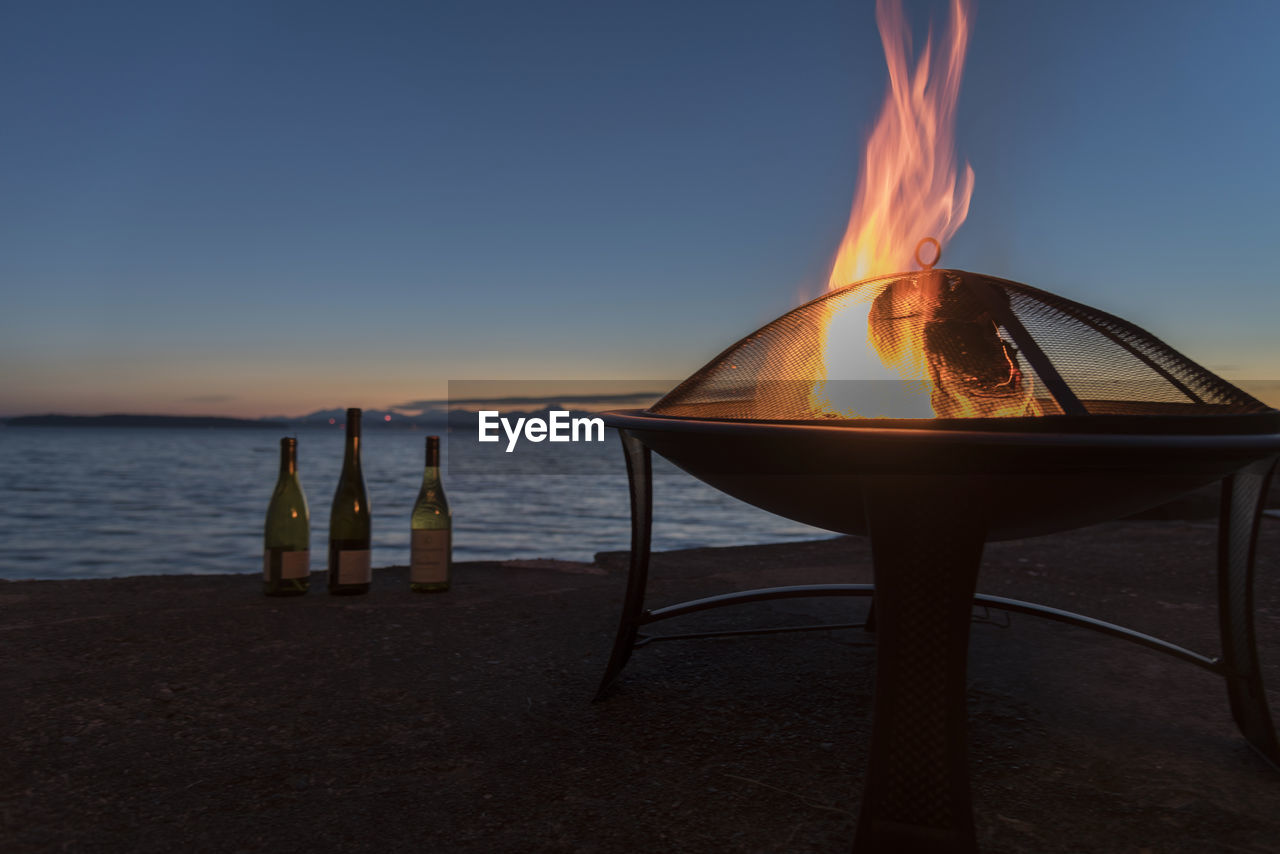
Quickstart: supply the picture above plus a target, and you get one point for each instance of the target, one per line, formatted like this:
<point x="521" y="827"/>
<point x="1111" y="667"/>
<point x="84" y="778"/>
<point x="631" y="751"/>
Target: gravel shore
<point x="190" y="712"/>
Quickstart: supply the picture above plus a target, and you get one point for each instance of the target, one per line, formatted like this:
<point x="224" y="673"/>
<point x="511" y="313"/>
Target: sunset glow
<point x="239" y="218"/>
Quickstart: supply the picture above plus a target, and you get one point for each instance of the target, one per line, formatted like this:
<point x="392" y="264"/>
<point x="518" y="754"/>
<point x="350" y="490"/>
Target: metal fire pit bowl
<point x="1106" y="421"/>
<point x="1017" y="484"/>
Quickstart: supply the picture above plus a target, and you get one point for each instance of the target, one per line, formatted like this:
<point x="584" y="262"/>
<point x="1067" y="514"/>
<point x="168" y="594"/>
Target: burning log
<point x="928" y="326"/>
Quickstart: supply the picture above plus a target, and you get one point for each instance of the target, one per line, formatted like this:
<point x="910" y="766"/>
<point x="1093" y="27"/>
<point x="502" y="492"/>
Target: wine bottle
<point x="430" y="546"/>
<point x="350" y="569"/>
<point x="286" y="546"/>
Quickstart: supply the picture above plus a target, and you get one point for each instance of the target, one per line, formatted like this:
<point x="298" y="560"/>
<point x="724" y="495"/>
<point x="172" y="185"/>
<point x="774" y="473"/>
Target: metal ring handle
<point x="937" y="256"/>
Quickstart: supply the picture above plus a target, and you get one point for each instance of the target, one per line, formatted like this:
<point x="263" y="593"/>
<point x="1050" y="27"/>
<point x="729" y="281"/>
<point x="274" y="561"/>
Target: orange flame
<point x="908" y="188"/>
<point x="947" y="348"/>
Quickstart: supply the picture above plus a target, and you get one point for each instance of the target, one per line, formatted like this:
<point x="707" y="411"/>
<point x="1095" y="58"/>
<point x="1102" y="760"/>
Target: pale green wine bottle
<point x="350" y="542"/>
<point x="286" y="552"/>
<point x="431" y="529"/>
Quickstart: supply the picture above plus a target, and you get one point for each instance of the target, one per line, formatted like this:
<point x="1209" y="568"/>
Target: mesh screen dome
<point x="949" y="345"/>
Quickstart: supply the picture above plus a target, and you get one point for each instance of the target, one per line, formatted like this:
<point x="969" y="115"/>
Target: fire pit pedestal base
<point x="926" y="545"/>
<point x="927" y="535"/>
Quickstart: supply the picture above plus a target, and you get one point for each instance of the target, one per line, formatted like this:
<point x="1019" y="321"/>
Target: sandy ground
<point x="190" y="712"/>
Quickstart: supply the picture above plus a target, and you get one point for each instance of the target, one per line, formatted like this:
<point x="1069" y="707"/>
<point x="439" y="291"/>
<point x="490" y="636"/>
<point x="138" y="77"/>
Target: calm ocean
<point x="94" y="502"/>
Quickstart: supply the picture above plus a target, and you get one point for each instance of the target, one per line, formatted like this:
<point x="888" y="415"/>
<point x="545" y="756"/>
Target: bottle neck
<point x="288" y="458"/>
<point x="431" y="474"/>
<point x="351" y="451"/>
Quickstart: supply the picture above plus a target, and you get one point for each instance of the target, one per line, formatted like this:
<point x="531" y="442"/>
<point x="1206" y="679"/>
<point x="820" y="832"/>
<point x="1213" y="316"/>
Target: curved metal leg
<point x="1243" y="495"/>
<point x="640" y="481"/>
<point x="926" y="546"/>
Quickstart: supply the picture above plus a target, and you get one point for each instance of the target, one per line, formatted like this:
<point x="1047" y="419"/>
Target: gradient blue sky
<point x="256" y="208"/>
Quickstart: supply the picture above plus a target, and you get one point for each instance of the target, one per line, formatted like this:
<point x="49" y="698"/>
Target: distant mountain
<point x="372" y="419"/>
<point x="433" y="418"/>
<point x="140" y="421"/>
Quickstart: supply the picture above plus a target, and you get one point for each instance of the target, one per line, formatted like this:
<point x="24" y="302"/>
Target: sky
<point x="267" y="208"/>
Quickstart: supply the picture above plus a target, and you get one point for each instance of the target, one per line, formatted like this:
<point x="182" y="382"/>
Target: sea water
<point x="95" y="502"/>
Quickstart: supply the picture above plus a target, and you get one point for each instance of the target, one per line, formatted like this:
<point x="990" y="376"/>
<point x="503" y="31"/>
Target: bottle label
<point x="292" y="564"/>
<point x="429" y="557"/>
<point x="355" y="566"/>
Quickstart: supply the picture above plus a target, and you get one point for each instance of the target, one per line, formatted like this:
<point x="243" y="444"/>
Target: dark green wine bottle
<point x="430" y="529"/>
<point x="350" y="544"/>
<point x="286" y="553"/>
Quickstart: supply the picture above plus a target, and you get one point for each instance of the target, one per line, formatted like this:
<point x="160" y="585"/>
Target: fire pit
<point x="1027" y="414"/>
